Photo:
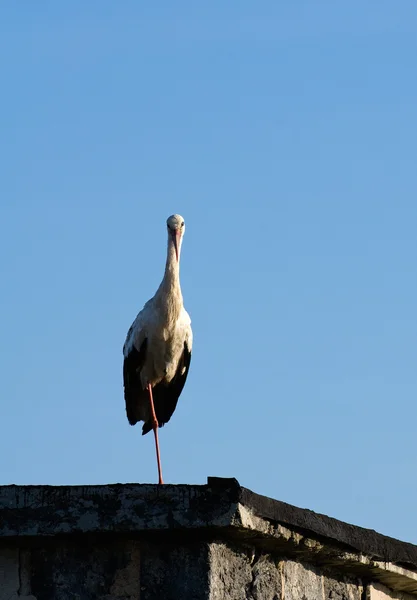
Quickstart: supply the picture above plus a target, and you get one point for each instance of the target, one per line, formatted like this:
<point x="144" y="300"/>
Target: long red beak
<point x="176" y="239"/>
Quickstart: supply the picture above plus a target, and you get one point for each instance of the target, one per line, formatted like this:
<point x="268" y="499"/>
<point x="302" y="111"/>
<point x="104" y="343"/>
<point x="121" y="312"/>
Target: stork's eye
<point x="182" y="224"/>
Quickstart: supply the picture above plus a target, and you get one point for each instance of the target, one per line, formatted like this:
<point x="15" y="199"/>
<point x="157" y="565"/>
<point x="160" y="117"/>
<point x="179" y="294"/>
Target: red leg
<point x="155" y="432"/>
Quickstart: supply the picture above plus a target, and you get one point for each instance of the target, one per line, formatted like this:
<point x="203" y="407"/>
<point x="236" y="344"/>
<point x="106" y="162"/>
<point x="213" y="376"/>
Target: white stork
<point x="157" y="350"/>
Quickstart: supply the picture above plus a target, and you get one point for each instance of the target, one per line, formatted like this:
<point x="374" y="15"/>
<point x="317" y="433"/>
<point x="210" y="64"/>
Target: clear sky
<point x="285" y="133"/>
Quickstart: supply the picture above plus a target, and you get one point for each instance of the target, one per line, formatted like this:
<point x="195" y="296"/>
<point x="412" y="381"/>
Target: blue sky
<point x="285" y="134"/>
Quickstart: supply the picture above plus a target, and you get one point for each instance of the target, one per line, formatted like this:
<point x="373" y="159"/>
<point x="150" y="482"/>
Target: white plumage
<point x="157" y="350"/>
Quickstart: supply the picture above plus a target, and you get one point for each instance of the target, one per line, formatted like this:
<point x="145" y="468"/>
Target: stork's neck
<point x="169" y="291"/>
<point x="172" y="268"/>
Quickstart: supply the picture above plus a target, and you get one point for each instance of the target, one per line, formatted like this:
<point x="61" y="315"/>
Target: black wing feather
<point x="165" y="395"/>
<point x="134" y="394"/>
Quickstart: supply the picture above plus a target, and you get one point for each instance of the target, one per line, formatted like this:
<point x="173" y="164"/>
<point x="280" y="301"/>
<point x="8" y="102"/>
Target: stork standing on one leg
<point x="157" y="350"/>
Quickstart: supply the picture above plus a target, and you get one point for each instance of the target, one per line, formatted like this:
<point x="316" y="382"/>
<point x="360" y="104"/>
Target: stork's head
<point x="176" y="228"/>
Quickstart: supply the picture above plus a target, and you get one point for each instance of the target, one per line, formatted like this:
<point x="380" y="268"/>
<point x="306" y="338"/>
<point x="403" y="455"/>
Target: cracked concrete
<point x="243" y="573"/>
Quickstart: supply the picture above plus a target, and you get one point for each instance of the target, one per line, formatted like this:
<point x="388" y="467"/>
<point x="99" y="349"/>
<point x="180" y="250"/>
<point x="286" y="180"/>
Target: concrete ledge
<point x="364" y="540"/>
<point x="218" y="512"/>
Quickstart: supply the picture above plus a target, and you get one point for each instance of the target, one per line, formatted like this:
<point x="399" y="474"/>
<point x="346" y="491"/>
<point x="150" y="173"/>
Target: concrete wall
<point x="243" y="573"/>
<point x="128" y="570"/>
<point x="213" y="542"/>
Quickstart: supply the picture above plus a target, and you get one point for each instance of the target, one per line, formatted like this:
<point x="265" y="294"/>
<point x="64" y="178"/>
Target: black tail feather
<point x="147" y="427"/>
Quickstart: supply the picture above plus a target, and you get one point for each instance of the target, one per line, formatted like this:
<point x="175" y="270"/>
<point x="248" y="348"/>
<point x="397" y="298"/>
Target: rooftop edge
<point x="136" y="508"/>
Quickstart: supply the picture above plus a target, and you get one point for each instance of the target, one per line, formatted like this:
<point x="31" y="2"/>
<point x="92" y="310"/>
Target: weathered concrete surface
<point x="14" y="575"/>
<point x="238" y="573"/>
<point x="380" y="592"/>
<point x="342" y="587"/>
<point x="92" y="569"/>
<point x="210" y="542"/>
<point x="172" y="571"/>
<point x="48" y="510"/>
<point x="364" y="540"/>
